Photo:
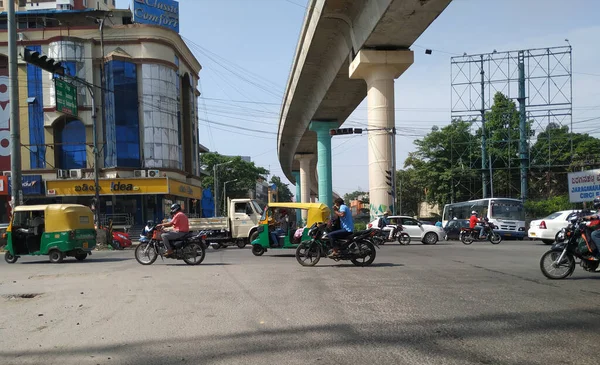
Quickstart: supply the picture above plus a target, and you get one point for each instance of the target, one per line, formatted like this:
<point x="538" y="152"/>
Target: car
<point x="547" y="229"/>
<point x="427" y="233"/>
<point x="454" y="226"/>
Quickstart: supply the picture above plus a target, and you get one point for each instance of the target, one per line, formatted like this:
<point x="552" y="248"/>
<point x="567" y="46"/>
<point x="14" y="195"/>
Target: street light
<point x="225" y="192"/>
<point x="216" y="184"/>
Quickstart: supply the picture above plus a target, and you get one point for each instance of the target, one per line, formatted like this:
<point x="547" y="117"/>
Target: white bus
<point x="507" y="214"/>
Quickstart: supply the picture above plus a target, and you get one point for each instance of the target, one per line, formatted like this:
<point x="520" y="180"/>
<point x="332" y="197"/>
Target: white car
<point x="426" y="233"/>
<point x="546" y="229"/>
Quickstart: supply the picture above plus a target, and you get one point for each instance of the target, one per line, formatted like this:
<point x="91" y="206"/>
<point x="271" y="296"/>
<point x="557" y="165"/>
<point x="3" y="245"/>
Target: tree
<point x="410" y="191"/>
<point x="245" y="173"/>
<point x="283" y="192"/>
<point x="354" y="195"/>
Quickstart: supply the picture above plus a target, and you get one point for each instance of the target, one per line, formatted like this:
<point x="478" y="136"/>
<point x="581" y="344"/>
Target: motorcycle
<point x="145" y="237"/>
<point x="189" y="248"/>
<point x="396" y="233"/>
<point x="575" y="242"/>
<point x="470" y="235"/>
<point x="359" y="248"/>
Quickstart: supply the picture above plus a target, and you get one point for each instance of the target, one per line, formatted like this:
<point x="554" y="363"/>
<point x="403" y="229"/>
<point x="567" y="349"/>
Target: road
<point x="442" y="304"/>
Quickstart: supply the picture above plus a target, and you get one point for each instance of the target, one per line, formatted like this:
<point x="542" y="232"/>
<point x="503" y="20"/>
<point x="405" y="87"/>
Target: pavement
<point x="441" y="304"/>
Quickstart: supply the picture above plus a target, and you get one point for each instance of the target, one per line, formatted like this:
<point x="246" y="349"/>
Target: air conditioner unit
<point x="5" y="173"/>
<point x="139" y="173"/>
<point x="153" y="173"/>
<point x="75" y="173"/>
<point x="62" y="174"/>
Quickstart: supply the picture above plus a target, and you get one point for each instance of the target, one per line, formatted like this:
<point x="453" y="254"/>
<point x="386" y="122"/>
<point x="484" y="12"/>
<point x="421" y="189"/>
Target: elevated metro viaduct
<point x="348" y="49"/>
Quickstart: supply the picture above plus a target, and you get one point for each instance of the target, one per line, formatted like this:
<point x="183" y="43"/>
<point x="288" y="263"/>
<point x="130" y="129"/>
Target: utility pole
<point x="522" y="127"/>
<point x="483" y="136"/>
<point x="216" y="185"/>
<point x="15" y="125"/>
<point x="394" y="190"/>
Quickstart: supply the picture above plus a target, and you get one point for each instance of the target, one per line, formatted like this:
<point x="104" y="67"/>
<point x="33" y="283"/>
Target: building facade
<point x="146" y="118"/>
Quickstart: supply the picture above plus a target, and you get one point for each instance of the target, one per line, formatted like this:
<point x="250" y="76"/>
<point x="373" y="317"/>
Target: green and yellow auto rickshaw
<point x="56" y="230"/>
<point x="269" y="236"/>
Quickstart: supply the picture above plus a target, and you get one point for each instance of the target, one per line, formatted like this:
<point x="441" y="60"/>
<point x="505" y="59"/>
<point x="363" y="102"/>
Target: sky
<point x="246" y="48"/>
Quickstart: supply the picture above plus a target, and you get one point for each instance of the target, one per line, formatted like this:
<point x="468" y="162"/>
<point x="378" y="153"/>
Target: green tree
<point x="445" y="163"/>
<point x="410" y="191"/>
<point x="283" y="192"/>
<point x="245" y="173"/>
<point x="354" y="195"/>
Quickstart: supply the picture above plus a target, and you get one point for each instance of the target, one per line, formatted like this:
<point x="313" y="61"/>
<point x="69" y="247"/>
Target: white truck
<point x="238" y="228"/>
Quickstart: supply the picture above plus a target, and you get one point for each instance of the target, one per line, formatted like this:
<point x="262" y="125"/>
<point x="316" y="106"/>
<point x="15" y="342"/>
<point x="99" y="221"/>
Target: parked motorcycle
<point x="359" y="248"/>
<point x="470" y="235"/>
<point x="189" y="248"/>
<point x="396" y="233"/>
<point x="559" y="261"/>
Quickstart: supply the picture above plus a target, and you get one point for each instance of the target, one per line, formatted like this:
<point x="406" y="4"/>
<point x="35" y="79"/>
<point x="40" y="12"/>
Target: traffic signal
<point x="42" y="61"/>
<point x="341" y="131"/>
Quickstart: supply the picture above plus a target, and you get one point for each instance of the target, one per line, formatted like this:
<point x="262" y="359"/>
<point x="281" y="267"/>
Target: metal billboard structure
<point x="539" y="81"/>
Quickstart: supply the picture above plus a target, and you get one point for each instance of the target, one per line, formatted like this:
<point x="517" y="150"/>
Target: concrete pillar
<point x="296" y="175"/>
<point x="324" y="160"/>
<point x="379" y="69"/>
<point x="304" y="160"/>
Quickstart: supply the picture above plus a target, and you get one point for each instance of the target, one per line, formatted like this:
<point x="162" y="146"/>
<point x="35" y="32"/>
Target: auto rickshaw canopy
<point x="317" y="212"/>
<point x="61" y="217"/>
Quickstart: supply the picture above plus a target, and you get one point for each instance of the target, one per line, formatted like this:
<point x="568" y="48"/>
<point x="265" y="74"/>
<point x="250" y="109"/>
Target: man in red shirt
<point x="473" y="223"/>
<point x="180" y="224"/>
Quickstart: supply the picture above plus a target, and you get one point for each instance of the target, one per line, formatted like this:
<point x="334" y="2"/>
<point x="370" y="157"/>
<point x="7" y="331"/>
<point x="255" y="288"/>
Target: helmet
<point x="597" y="202"/>
<point x="175" y="208"/>
<point x="473" y="212"/>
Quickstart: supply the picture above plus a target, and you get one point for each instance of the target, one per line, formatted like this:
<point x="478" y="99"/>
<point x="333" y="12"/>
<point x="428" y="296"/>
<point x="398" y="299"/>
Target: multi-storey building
<point x="145" y="96"/>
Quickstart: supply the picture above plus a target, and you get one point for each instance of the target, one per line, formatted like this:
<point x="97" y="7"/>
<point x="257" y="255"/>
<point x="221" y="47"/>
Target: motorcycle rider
<point x="342" y="211"/>
<point x="473" y="223"/>
<point x="180" y="224"/>
<point x="595" y="225"/>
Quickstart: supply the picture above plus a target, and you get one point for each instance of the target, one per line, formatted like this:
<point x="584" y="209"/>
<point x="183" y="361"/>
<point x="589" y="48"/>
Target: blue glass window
<point x="122" y="115"/>
<point x="71" y="145"/>
<point x="37" y="154"/>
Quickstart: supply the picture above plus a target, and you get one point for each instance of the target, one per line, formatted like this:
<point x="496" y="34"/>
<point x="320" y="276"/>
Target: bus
<point x="506" y="214"/>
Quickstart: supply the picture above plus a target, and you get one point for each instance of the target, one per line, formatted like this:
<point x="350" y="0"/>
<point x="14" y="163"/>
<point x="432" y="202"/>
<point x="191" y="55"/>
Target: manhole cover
<point x="21" y="296"/>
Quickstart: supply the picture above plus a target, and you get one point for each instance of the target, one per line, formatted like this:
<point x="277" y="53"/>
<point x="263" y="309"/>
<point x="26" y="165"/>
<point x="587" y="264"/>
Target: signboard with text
<point x="584" y="186"/>
<point x="30" y="185"/>
<point x="164" y="13"/>
<point x="66" y="97"/>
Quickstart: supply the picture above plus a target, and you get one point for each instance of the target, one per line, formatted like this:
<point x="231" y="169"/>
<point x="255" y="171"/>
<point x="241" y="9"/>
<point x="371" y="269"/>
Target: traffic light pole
<point x="15" y="125"/>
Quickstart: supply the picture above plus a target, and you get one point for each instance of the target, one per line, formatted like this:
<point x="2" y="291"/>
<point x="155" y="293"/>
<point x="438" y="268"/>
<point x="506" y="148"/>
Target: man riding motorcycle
<point x="347" y="225"/>
<point x="595" y="225"/>
<point x="473" y="223"/>
<point x="180" y="224"/>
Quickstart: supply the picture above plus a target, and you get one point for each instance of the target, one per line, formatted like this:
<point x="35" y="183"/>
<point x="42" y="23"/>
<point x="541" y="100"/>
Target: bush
<point x="360" y="226"/>
<point x="543" y="208"/>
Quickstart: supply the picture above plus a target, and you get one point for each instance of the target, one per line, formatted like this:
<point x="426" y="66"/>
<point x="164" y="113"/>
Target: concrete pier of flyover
<point x="379" y="69"/>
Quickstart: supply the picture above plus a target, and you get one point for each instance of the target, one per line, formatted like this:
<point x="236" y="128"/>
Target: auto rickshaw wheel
<point x="258" y="250"/>
<point x="10" y="258"/>
<point x="56" y="256"/>
<point x="81" y="256"/>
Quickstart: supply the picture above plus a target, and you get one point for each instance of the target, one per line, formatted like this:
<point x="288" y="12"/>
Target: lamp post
<point x="216" y="185"/>
<point x="225" y="192"/>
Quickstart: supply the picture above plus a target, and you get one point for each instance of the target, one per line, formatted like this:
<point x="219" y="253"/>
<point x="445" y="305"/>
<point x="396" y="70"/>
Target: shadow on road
<point x="456" y="340"/>
<point x="89" y="260"/>
<point x="382" y="264"/>
<point x="202" y="264"/>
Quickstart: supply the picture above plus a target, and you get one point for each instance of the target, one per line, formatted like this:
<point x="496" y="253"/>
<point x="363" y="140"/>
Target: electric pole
<point x="15" y="125"/>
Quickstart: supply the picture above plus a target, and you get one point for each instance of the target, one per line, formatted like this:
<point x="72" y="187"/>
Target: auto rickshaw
<point x="56" y="230"/>
<point x="316" y="213"/>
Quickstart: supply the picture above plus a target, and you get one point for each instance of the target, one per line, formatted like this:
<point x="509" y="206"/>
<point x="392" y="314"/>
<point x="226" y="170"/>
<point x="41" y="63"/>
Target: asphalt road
<point x="442" y="304"/>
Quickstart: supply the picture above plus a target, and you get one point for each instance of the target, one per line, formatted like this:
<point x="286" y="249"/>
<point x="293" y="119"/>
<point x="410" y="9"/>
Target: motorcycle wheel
<point x="145" y="254"/>
<point x="193" y="254"/>
<point x="404" y="238"/>
<point x="564" y="268"/>
<point x="467" y="239"/>
<point x="308" y="255"/>
<point x="369" y="253"/>
<point x="495" y="238"/>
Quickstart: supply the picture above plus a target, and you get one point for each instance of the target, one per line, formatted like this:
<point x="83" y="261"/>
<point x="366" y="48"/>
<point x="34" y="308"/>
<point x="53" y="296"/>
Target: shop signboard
<point x="164" y="13"/>
<point x="584" y="186"/>
<point x="107" y="187"/>
<point x="30" y="185"/>
<point x="184" y="190"/>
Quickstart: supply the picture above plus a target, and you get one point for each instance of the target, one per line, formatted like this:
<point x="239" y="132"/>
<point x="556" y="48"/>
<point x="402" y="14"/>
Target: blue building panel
<point x="37" y="148"/>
